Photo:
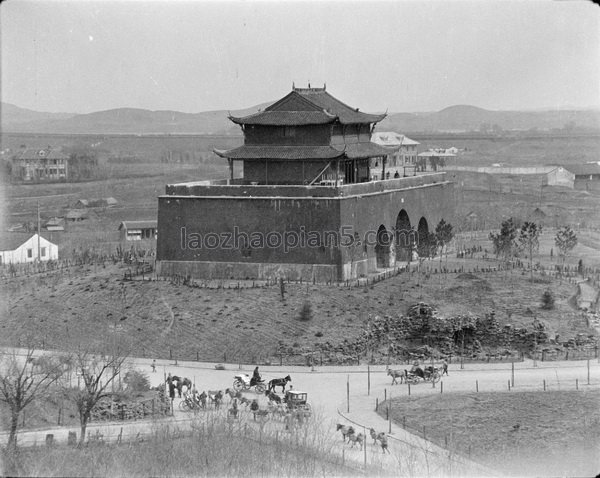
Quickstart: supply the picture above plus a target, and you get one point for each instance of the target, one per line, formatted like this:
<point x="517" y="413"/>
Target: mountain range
<point x="458" y="118"/>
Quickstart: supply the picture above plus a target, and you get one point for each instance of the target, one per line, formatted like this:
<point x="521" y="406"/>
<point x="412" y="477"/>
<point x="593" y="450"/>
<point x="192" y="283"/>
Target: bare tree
<point x="24" y="379"/>
<point x="97" y="375"/>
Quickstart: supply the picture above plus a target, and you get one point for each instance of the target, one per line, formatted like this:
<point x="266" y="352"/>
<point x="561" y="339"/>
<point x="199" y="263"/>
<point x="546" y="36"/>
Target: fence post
<point x="376" y="404"/>
<point x="576" y="384"/>
<point x="368" y="380"/>
<point x="512" y="373"/>
<point x="348" y="393"/>
<point x="441" y="387"/>
<point x="544" y="385"/>
<point x="588" y="371"/>
<point x="409" y="389"/>
<point x="509" y="385"/>
<point x="477" y="386"/>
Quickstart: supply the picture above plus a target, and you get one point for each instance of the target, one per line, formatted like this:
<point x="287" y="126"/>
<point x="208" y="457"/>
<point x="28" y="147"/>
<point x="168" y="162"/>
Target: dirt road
<point x="348" y="395"/>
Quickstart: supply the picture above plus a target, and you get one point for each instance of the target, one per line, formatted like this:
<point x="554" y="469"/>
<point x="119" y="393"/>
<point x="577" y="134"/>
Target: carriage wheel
<point x="238" y="386"/>
<point x="184" y="405"/>
<point x="436" y="377"/>
<point x="260" y="388"/>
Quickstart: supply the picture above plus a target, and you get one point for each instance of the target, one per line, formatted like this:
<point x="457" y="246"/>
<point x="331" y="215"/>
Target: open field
<point x="520" y="152"/>
<point x="83" y="306"/>
<point x="552" y="433"/>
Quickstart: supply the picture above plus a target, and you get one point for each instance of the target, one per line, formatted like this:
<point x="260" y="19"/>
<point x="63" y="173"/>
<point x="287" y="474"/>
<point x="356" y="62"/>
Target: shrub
<point x="136" y="381"/>
<point x="305" y="312"/>
<point x="547" y="300"/>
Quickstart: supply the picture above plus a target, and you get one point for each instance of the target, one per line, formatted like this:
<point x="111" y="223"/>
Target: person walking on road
<point x="444" y="367"/>
<point x="153" y="365"/>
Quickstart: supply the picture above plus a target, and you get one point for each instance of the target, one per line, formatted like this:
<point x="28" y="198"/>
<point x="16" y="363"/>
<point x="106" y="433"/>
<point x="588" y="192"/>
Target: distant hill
<point x="140" y="121"/>
<point x="121" y="121"/>
<point x="11" y="114"/>
<point x="470" y="118"/>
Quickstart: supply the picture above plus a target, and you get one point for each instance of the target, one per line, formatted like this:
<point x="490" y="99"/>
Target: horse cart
<point x="430" y="374"/>
<point x="243" y="382"/>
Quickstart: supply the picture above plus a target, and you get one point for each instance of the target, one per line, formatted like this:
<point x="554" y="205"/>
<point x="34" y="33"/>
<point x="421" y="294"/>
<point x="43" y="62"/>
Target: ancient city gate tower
<point x="306" y="206"/>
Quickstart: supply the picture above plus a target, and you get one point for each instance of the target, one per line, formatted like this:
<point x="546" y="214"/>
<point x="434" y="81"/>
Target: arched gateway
<point x="384" y="250"/>
<point x="405" y="237"/>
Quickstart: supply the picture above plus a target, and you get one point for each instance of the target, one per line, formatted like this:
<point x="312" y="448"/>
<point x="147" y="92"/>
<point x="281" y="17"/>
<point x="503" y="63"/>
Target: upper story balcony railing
<point x="238" y="187"/>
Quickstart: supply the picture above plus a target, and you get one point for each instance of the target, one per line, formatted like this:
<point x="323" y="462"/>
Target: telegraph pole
<point x="38" y="230"/>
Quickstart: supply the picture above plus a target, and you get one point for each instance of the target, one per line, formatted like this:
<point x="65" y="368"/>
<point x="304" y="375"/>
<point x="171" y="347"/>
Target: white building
<point x="18" y="248"/>
<point x="402" y="158"/>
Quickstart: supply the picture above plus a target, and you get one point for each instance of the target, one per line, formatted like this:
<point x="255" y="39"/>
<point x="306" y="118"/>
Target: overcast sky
<point x="194" y="56"/>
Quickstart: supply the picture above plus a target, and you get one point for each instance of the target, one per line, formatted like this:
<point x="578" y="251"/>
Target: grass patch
<point x="212" y="448"/>
<point x="552" y="433"/>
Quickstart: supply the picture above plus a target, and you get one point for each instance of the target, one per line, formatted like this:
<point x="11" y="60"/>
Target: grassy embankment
<point x="551" y="433"/>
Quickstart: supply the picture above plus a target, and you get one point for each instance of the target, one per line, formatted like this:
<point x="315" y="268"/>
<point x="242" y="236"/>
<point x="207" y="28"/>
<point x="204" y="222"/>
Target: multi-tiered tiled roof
<point x="307" y="107"/>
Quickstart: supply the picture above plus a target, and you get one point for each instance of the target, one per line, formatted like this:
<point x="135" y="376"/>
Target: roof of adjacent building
<point x="39" y="153"/>
<point x="364" y="150"/>
<point x="76" y="214"/>
<point x="54" y="221"/>
<point x="391" y="138"/>
<point x="312" y="106"/>
<point x="146" y="224"/>
<point x="583" y="169"/>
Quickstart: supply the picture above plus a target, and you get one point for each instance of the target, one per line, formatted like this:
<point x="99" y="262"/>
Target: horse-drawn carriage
<point x="429" y="374"/>
<point x="242" y="382"/>
<point x="297" y="401"/>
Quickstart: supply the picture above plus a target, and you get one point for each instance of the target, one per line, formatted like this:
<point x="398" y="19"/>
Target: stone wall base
<point x="248" y="270"/>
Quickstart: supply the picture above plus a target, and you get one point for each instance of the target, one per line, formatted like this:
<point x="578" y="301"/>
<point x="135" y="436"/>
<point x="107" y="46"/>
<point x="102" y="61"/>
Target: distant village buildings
<point x="138" y="230"/>
<point x="584" y="177"/>
<point x="41" y="165"/>
<point x="33" y="165"/>
<point x="20" y="248"/>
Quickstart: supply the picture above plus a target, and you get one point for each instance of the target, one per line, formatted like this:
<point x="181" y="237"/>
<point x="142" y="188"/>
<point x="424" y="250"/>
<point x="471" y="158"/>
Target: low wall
<point x="218" y="188"/>
<point x="496" y="170"/>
